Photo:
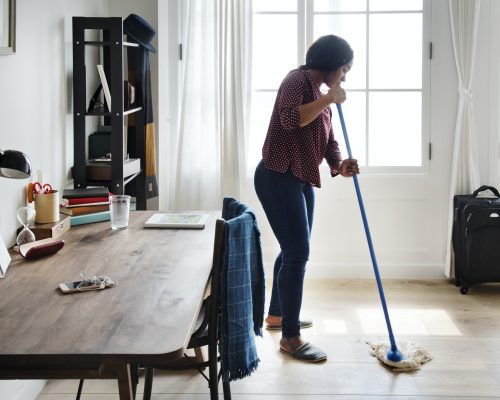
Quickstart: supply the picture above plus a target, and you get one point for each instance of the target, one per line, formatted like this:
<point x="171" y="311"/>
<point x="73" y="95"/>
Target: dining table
<point x="147" y="318"/>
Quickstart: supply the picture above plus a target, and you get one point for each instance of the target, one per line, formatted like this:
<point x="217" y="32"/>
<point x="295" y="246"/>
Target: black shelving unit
<point x="113" y="52"/>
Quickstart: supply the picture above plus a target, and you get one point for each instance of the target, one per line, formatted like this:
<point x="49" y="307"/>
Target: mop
<point x="408" y="357"/>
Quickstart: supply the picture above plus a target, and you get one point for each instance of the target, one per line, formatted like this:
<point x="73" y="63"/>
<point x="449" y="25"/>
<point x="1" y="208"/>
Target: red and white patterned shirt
<point x="301" y="149"/>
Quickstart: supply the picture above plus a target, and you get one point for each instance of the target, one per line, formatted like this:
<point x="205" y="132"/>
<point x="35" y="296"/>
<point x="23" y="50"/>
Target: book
<point x="177" y="221"/>
<point x="105" y="87"/>
<point x="85" y="193"/>
<point x="90" y="218"/>
<point x="83" y="210"/>
<point x="84" y="201"/>
<point x="52" y="230"/>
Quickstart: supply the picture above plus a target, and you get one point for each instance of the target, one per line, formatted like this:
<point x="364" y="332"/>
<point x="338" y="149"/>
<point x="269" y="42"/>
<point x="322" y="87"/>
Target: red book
<point x="86" y="200"/>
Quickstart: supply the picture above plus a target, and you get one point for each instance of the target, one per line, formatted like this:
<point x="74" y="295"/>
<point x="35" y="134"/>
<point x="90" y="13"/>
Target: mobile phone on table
<point x="79" y="286"/>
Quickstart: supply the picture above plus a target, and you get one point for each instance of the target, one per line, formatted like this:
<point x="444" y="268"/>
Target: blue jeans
<point x="289" y="206"/>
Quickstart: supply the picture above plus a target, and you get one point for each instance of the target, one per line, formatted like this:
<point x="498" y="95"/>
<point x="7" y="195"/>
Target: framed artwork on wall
<point x="7" y="26"/>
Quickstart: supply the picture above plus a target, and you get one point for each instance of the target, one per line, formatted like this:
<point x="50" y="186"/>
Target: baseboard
<point x="318" y="270"/>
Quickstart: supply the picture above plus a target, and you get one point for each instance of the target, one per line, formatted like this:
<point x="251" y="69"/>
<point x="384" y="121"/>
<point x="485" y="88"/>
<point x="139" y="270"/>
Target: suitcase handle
<point x="483" y="188"/>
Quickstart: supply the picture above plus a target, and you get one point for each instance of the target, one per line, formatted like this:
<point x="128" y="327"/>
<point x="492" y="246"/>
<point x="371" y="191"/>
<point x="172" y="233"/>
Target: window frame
<point x="305" y="28"/>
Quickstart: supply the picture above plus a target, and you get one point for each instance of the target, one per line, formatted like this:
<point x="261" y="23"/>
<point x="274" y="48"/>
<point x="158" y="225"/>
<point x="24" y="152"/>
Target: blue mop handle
<point x="368" y="235"/>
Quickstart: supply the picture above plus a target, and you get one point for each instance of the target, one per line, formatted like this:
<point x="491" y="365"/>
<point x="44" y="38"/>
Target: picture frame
<point x="7" y="27"/>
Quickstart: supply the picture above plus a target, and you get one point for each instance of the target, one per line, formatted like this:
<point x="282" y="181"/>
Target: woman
<point x="299" y="137"/>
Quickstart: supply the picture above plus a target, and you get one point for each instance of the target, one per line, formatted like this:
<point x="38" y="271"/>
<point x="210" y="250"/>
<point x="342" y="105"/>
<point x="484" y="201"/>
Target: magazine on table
<point x="177" y="220"/>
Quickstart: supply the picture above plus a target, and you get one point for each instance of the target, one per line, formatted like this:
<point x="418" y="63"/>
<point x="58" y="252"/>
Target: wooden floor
<point x="462" y="332"/>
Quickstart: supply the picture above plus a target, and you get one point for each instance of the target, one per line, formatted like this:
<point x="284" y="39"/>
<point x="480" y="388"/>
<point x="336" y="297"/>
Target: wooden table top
<point x="162" y="274"/>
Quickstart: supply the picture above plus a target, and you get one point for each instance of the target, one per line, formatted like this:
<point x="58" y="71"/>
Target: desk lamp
<point x="14" y="164"/>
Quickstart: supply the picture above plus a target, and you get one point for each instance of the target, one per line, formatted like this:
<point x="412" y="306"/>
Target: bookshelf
<point x="120" y="179"/>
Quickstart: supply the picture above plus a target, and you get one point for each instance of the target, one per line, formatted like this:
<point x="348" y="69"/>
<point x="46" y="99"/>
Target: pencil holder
<point x="47" y="207"/>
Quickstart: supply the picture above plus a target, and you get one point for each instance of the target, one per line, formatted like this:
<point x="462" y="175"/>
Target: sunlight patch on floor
<point x="433" y="322"/>
<point x="335" y="326"/>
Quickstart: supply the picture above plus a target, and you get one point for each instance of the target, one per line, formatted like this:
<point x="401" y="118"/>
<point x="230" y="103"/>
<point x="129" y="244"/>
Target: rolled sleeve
<point x="291" y="96"/>
<point x="290" y="118"/>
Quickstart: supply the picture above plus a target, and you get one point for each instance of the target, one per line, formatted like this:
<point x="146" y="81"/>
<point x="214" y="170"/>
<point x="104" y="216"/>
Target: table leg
<point x="199" y="356"/>
<point x="125" y="387"/>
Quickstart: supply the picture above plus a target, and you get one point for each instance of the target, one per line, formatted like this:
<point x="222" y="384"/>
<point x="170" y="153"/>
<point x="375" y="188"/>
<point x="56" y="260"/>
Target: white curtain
<point x="464" y="15"/>
<point x="235" y="44"/>
<point x="215" y="94"/>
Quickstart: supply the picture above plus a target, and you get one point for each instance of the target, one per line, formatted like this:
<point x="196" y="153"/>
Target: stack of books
<point x="85" y="206"/>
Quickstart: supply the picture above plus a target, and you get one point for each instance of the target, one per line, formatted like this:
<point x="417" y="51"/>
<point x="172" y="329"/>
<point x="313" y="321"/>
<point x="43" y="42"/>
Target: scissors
<point x="38" y="188"/>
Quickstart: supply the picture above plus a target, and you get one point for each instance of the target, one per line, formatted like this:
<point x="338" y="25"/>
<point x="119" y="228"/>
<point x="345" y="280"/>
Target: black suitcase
<point x="476" y="238"/>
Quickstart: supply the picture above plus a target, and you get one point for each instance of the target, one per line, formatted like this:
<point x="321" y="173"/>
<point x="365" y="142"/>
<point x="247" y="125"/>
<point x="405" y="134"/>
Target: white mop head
<point x="415" y="356"/>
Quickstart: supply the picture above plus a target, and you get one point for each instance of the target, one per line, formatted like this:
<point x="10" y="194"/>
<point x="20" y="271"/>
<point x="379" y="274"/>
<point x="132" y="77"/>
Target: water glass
<point x="119" y="207"/>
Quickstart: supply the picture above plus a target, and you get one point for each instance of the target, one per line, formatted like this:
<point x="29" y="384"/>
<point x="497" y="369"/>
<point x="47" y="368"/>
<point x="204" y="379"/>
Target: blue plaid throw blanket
<point x="243" y="292"/>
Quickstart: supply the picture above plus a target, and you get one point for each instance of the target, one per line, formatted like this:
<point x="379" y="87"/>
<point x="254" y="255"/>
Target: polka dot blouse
<point x="301" y="149"/>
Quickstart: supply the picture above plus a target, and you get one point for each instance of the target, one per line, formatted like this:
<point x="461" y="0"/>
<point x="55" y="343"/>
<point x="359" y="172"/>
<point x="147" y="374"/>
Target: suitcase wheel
<point x="464" y="289"/>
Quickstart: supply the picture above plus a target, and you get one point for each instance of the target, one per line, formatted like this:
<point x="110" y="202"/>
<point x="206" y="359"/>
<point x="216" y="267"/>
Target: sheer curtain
<point x="464" y="15"/>
<point x="209" y="159"/>
<point x="235" y="44"/>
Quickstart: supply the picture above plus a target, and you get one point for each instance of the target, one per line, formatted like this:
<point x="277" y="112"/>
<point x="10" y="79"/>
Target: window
<point x="386" y="87"/>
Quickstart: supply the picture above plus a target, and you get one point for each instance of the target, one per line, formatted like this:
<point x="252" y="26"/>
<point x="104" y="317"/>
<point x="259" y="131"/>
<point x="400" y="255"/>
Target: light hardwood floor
<point x="462" y="332"/>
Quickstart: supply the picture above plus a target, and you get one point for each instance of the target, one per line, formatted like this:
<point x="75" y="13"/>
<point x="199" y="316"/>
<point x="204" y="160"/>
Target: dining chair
<point x="206" y="332"/>
<point x="134" y="372"/>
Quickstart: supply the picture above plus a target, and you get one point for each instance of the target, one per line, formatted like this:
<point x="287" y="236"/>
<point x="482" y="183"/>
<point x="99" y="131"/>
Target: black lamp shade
<point x="14" y="164"/>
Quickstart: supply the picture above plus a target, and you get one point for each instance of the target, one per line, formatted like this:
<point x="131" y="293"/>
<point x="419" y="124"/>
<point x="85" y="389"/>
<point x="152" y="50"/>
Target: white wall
<point x="35" y="102"/>
<point x="35" y="99"/>
<point x="407" y="213"/>
<point x="35" y="106"/>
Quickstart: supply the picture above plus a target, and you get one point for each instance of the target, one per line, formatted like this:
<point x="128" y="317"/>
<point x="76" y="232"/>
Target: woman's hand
<point x="309" y="111"/>
<point x="336" y="94"/>
<point x="349" y="167"/>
